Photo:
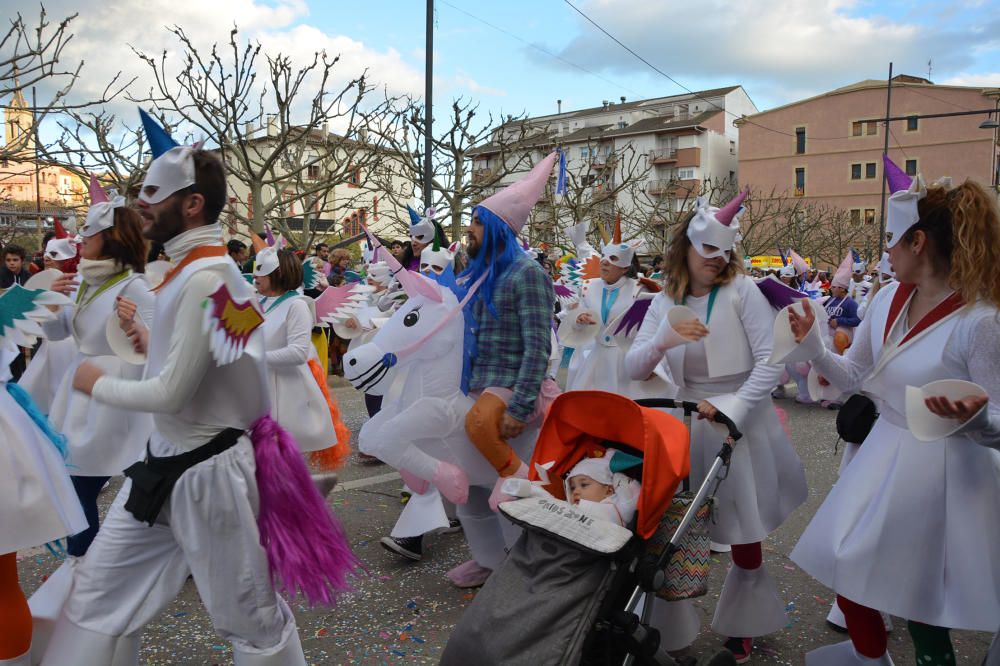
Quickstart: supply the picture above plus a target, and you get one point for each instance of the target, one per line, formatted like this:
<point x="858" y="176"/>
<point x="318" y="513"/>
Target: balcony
<point x="800" y="191"/>
<point x="663" y="155"/>
<point x="482" y="175"/>
<point x="601" y="161"/>
<point x="671" y="187"/>
<point x="689" y="157"/>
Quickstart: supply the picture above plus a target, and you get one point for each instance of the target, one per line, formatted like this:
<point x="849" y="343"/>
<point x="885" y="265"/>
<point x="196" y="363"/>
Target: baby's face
<point x="582" y="487"/>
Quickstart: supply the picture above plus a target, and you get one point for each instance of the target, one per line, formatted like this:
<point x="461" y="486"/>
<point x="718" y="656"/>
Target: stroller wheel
<point x="720" y="658"/>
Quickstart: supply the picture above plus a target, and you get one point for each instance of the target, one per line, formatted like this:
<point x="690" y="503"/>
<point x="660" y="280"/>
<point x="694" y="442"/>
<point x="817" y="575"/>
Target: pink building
<point x="820" y="149"/>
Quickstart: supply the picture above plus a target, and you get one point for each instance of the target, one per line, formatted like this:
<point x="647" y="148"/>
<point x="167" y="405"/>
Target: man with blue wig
<point x="513" y="310"/>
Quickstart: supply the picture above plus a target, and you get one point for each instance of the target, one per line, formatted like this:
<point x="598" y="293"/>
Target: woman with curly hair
<point x="911" y="526"/>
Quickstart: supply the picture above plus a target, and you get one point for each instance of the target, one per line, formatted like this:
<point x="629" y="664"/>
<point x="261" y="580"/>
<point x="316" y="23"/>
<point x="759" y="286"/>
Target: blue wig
<point x="499" y="250"/>
<point x="22" y="398"/>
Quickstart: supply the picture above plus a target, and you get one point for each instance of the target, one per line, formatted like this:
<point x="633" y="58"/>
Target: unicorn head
<point x="420" y="338"/>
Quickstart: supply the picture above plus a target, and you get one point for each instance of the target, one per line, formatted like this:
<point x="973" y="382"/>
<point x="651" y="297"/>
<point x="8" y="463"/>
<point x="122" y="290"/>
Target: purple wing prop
<point x="632" y="319"/>
<point x="777" y="293"/>
<point x="563" y="292"/>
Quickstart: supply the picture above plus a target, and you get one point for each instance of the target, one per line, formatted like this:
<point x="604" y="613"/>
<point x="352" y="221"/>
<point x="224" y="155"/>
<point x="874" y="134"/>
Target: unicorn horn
<point x="97" y="193"/>
<point x="726" y="214"/>
<point x="896" y="178"/>
<point x="413" y="284"/>
<point x="617" y="237"/>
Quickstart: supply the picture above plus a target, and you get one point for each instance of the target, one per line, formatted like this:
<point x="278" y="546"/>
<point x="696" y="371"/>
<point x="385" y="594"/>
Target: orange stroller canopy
<point x="580" y="422"/>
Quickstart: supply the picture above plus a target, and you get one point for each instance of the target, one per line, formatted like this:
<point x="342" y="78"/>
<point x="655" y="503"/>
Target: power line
<point x="542" y="50"/>
<point x="682" y="86"/>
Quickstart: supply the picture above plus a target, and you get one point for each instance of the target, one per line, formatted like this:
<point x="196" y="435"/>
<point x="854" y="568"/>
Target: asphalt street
<point x="402" y="612"/>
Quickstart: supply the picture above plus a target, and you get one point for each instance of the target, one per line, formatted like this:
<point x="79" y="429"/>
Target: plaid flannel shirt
<point x="512" y="349"/>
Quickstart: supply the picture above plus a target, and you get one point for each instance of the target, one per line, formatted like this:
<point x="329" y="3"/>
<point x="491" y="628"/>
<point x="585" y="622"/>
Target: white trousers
<point x="488" y="534"/>
<point x="207" y="529"/>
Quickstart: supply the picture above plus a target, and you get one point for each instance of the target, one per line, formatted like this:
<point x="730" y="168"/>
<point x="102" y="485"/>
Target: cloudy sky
<point x="522" y="55"/>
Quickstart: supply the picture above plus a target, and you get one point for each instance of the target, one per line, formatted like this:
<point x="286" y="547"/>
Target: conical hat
<point x="513" y="203"/>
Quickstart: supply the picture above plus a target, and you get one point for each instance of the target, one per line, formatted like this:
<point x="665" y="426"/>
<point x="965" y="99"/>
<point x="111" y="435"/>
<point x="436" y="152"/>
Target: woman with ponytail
<point x="103" y="440"/>
<point x="911" y="526"/>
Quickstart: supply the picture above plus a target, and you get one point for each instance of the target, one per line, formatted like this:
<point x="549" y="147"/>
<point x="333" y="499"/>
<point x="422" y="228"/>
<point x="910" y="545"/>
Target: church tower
<point x="19" y="131"/>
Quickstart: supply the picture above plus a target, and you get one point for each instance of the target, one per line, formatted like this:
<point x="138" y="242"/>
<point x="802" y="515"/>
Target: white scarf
<point x="97" y="271"/>
<point x="178" y="247"/>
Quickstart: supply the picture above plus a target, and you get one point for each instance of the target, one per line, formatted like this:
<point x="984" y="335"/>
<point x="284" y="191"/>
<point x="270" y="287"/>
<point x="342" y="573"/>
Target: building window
<point x="800" y="140"/>
<point x="912" y="124"/>
<point x="872" y="128"/>
<point x="354" y="177"/>
<point x="685" y="174"/>
<point x="312" y="171"/>
<point x="911" y="167"/>
<point x="856" y="216"/>
<point x="856" y="128"/>
<point x="800" y="182"/>
<point x="856" y="171"/>
<point x="584" y="153"/>
<point x="732" y="147"/>
<point x="869" y="216"/>
<point x="871" y="170"/>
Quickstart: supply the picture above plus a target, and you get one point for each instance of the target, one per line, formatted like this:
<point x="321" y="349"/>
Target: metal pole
<point x="38" y="186"/>
<point x="428" y="104"/>
<point x="885" y="152"/>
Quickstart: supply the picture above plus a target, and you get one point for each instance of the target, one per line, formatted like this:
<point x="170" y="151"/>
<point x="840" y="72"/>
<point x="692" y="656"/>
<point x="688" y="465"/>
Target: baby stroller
<point x="568" y="591"/>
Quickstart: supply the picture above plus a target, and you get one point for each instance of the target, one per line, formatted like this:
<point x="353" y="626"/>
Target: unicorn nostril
<point x="353" y="361"/>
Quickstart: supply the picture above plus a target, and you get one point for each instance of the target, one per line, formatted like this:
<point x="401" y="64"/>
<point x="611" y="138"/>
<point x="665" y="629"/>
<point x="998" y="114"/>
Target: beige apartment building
<point x="828" y="150"/>
<point x="668" y="147"/>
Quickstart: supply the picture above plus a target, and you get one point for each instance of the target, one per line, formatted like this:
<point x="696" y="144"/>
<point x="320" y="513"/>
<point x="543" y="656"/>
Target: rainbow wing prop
<point x="229" y="324"/>
<point x="592" y="267"/>
<point x="21" y="312"/>
<point x="310" y="278"/>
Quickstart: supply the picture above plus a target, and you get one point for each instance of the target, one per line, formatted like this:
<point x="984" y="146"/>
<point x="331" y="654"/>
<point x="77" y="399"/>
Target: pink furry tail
<point x="307" y="550"/>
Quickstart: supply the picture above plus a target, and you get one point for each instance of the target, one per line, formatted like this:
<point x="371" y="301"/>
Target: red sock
<point x="747" y="555"/>
<point x="865" y="627"/>
<point x="15" y="618"/>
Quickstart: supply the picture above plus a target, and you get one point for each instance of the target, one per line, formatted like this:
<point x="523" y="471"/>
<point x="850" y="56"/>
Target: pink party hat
<point x="97" y="193"/>
<point x="513" y="203"/>
<point x="798" y="262"/>
<point x="842" y="278"/>
<point x="726" y="214"/>
<point x="896" y="178"/>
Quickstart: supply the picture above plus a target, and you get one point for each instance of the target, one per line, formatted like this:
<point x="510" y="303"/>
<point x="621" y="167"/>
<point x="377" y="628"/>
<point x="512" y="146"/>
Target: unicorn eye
<point x="411" y="318"/>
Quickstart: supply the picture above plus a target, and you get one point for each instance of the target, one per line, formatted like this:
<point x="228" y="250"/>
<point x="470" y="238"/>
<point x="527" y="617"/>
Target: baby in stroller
<point x="603" y="473"/>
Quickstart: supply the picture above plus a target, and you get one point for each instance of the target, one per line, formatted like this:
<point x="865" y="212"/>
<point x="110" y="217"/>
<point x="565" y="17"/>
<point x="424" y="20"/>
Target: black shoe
<point x="412" y="548"/>
<point x="741" y="648"/>
<point x="836" y="627"/>
<point x="453" y="526"/>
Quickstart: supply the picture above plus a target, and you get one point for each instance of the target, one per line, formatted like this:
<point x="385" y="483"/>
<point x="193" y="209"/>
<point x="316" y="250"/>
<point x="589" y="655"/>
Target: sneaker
<point x="325" y="482"/>
<point x="804" y="401"/>
<point x="453" y="526"/>
<point x="366" y="459"/>
<point x="778" y="393"/>
<point x="412" y="548"/>
<point x="741" y="648"/>
<point x="468" y="575"/>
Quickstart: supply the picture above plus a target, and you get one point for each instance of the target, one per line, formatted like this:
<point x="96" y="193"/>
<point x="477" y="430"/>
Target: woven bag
<point x="686" y="573"/>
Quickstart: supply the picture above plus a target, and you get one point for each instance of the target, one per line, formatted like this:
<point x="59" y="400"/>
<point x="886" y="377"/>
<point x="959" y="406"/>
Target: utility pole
<point x="885" y="152"/>
<point x="428" y="103"/>
<point x="38" y="187"/>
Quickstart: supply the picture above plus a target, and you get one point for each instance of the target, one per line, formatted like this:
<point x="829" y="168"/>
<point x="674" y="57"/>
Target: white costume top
<point x="299" y="405"/>
<point x="191" y="398"/>
<point x="911" y="527"/>
<point x="37" y="500"/>
<point x="45" y="371"/>
<point x="600" y="365"/>
<point x="729" y="369"/>
<point x="103" y="440"/>
<point x="859" y="293"/>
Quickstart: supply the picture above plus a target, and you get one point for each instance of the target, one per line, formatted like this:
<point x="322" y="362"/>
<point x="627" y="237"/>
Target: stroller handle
<point x="691" y="408"/>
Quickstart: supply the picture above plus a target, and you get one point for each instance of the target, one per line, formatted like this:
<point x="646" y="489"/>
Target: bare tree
<point x="288" y="138"/>
<point x="458" y="138"/>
